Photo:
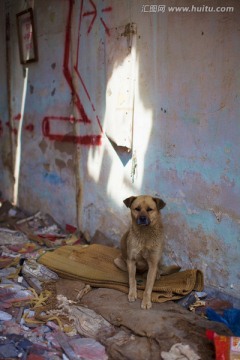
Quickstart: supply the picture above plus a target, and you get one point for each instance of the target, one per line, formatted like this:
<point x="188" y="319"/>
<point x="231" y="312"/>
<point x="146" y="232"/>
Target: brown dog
<point x="142" y="245"/>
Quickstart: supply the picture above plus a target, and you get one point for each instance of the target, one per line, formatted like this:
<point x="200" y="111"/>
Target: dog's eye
<point x="138" y="208"/>
<point x="149" y="209"/>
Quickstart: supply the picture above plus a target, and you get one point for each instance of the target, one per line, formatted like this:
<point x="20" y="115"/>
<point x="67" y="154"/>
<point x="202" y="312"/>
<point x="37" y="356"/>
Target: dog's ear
<point x="128" y="202"/>
<point x="160" y="203"/>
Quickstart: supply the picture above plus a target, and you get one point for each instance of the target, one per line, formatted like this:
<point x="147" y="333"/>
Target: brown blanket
<point x="93" y="264"/>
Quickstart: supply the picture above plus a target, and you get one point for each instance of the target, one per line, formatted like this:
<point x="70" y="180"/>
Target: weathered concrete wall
<point x="175" y="86"/>
<point x="6" y="160"/>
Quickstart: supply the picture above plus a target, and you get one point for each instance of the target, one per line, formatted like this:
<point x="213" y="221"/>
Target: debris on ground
<point x="230" y="317"/>
<point x="45" y="316"/>
<point x="33" y="325"/>
<point x="226" y="347"/>
<point x="180" y="352"/>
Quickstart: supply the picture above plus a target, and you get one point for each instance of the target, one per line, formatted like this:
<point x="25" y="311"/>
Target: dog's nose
<point x="143" y="220"/>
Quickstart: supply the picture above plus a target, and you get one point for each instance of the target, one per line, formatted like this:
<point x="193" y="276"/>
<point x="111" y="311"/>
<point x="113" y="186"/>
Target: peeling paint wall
<point x="184" y="122"/>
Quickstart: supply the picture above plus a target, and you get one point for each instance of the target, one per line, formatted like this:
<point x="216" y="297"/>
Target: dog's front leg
<point x="132" y="295"/>
<point x="151" y="276"/>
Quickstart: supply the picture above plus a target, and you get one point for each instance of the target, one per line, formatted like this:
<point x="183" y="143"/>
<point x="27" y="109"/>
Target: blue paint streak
<point x="53" y="178"/>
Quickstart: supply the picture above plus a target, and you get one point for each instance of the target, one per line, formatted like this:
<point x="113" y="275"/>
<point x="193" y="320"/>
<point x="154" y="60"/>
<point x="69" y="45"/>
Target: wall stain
<point x="65" y="147"/>
<point x="71" y="164"/>
<point x="43" y="146"/>
<point x="60" y="164"/>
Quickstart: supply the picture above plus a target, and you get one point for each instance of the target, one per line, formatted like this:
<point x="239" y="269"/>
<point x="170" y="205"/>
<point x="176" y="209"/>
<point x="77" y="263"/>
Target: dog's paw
<point x="146" y="301"/>
<point x="132" y="295"/>
<point x="146" y="304"/>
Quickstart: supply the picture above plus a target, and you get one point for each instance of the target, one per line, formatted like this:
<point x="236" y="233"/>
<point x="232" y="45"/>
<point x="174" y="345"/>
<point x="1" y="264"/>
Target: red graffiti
<point x="17" y="117"/>
<point x="29" y="127"/>
<point x="14" y="130"/>
<point x="76" y="139"/>
<point x="105" y="26"/>
<point x="94" y="13"/>
<point x="76" y="68"/>
<point x="67" y="71"/>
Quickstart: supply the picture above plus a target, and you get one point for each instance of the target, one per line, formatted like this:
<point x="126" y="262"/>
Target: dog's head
<point x="144" y="209"/>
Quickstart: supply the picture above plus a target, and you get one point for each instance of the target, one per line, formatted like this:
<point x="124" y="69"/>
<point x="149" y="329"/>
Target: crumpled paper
<point x="180" y="352"/>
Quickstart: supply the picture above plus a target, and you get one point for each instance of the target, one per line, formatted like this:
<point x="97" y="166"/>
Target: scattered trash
<point x="201" y="295"/>
<point x="41" y="272"/>
<point x="180" y="352"/>
<point x="42" y="229"/>
<point x="188" y="300"/>
<point x="230" y="317"/>
<point x="12" y="237"/>
<point x="83" y="292"/>
<point x="42" y="316"/>
<point x="29" y="330"/>
<point x="193" y="301"/>
<point x="34" y="283"/>
<point x="11" y="292"/>
<point x="40" y="224"/>
<point x="9" y="214"/>
<point x="4" y="316"/>
<point x="198" y="303"/>
<point x="226" y="347"/>
<point x="86" y="321"/>
<point x="88" y="349"/>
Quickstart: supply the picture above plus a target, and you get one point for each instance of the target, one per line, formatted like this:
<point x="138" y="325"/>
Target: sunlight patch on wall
<point x="95" y="161"/>
<point x="121" y="51"/>
<point x="120" y="97"/>
<point x="128" y="180"/>
<point x="119" y="162"/>
<point x="143" y="123"/>
<point x="19" y="140"/>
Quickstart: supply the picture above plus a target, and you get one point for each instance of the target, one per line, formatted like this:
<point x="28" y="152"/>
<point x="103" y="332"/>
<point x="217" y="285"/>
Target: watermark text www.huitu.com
<point x="186" y="9"/>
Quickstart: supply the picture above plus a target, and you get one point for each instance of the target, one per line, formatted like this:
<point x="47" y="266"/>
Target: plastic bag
<point x="230" y="317"/>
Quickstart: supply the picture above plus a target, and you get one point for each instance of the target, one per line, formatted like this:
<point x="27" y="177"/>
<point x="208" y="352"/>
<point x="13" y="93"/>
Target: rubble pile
<point x="30" y="327"/>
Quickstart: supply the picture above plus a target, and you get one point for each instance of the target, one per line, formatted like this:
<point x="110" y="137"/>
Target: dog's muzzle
<point x="143" y="220"/>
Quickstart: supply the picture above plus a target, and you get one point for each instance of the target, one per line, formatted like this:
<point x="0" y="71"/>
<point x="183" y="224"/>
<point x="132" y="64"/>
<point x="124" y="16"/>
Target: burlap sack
<point x="93" y="264"/>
